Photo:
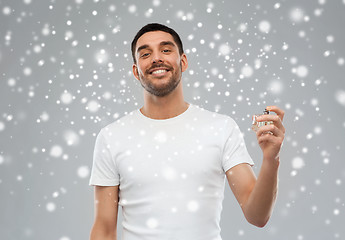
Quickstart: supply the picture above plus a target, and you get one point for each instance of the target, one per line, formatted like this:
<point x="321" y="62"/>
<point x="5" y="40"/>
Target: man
<point x="166" y="162"/>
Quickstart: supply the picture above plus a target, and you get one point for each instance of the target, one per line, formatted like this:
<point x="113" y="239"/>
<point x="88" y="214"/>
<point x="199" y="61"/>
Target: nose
<point x="157" y="58"/>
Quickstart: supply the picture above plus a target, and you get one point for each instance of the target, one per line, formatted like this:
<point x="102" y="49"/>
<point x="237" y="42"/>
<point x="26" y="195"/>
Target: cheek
<point x="179" y="65"/>
<point x="142" y="67"/>
<point x="140" y="70"/>
<point x="178" y="62"/>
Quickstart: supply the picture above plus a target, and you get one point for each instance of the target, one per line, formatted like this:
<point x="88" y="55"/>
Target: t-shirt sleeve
<point x="234" y="151"/>
<point x="104" y="171"/>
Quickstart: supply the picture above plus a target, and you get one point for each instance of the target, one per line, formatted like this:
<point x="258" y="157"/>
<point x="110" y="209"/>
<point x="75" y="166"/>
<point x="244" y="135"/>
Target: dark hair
<point x="156" y="27"/>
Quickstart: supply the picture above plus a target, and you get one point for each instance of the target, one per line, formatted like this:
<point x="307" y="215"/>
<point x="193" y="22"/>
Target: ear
<point x="135" y="71"/>
<point x="184" y="62"/>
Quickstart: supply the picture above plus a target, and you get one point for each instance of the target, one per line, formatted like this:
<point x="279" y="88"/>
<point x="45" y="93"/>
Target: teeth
<point x="159" y="71"/>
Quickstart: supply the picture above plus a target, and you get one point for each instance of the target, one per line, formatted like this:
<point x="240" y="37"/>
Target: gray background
<point x="66" y="72"/>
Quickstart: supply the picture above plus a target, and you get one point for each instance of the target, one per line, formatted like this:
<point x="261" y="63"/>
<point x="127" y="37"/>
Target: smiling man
<point x="170" y="69"/>
<point x="165" y="164"/>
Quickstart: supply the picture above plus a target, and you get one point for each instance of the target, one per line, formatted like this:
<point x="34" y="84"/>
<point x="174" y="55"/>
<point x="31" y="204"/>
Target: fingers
<point x="277" y="110"/>
<point x="270" y="134"/>
<point x="278" y="141"/>
<point x="274" y="118"/>
<point x="264" y="130"/>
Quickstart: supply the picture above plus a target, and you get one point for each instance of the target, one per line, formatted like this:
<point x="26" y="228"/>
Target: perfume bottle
<point x="256" y="125"/>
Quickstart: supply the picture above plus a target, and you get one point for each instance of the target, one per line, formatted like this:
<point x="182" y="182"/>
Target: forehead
<point x="154" y="38"/>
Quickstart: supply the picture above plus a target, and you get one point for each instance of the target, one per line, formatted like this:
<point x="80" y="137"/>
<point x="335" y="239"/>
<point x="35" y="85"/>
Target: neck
<point x="165" y="107"/>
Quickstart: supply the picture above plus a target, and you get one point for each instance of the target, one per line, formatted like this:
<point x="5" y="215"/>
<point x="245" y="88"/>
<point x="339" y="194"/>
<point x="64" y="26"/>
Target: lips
<point x="158" y="70"/>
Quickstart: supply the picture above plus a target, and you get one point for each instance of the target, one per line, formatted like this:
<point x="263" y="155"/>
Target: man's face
<point x="159" y="65"/>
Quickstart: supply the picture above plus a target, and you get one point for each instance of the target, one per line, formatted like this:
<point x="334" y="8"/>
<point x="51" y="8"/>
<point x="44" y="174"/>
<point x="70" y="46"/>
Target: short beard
<point x="166" y="89"/>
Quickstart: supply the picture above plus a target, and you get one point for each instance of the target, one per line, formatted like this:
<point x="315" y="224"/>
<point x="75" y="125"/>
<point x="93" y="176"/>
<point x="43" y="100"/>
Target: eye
<point x="144" y="55"/>
<point x="166" y="50"/>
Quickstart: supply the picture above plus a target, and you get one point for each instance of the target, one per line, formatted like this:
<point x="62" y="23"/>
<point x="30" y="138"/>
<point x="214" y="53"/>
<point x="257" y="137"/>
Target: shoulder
<point x="121" y="124"/>
<point x="214" y="117"/>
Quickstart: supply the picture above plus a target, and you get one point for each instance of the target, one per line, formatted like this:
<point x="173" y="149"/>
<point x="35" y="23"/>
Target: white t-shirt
<point x="171" y="172"/>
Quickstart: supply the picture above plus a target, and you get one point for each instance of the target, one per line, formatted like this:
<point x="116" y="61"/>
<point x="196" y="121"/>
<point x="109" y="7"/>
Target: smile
<point x="159" y="71"/>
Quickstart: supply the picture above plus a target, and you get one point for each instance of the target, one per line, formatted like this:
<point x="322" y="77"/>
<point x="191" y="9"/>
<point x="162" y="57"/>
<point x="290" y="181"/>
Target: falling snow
<point x="264" y="26"/>
<point x="297" y="15"/>
<point x="152" y="223"/>
<point x="83" y="172"/>
<point x="66" y="71"/>
<point x="298" y="163"/>
<point x="276" y="87"/>
<point x="340" y="97"/>
<point x="51" y="207"/>
<point x="56" y="151"/>
<point x="193" y="206"/>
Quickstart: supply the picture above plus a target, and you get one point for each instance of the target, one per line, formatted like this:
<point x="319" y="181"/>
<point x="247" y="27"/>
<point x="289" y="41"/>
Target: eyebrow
<point x="142" y="47"/>
<point x="164" y="43"/>
<point x="169" y="43"/>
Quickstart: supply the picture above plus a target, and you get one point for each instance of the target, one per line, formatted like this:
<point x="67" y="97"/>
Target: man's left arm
<point x="257" y="196"/>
